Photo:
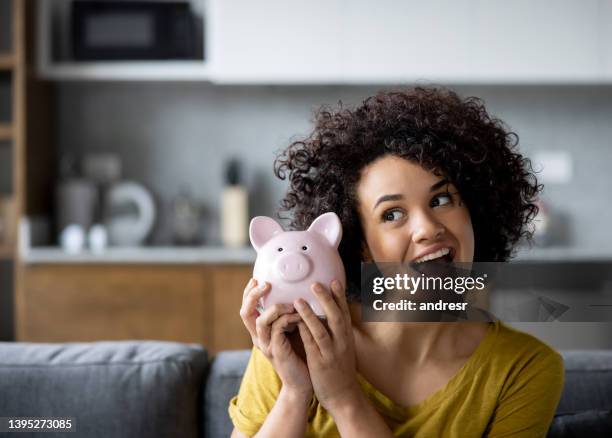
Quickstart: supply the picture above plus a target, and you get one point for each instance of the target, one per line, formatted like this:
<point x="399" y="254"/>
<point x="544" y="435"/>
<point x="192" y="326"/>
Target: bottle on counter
<point x="234" y="208"/>
<point x="77" y="201"/>
<point x="187" y="216"/>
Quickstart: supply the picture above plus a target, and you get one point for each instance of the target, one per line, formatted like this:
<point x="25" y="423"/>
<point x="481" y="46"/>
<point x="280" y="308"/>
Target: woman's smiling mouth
<point x="447" y="254"/>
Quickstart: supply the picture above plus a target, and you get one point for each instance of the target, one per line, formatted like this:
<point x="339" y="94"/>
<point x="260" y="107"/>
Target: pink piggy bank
<point x="291" y="261"/>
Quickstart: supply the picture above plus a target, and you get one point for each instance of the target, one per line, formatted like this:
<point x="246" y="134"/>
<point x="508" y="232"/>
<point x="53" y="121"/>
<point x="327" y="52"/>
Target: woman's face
<point x="408" y="212"/>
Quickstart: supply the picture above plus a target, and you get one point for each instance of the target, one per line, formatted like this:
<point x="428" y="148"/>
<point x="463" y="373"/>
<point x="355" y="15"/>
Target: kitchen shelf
<point x="6" y="62"/>
<point x="133" y="70"/>
<point x="52" y="28"/>
<point x="6" y="131"/>
<point x="6" y="252"/>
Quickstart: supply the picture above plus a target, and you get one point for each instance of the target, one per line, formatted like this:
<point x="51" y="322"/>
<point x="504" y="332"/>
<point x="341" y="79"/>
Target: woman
<point x="408" y="173"/>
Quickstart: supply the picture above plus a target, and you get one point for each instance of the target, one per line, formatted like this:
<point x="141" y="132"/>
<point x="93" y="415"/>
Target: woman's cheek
<point x="467" y="237"/>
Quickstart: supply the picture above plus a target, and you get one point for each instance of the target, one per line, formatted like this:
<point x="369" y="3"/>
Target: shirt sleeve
<point x="527" y="407"/>
<point x="258" y="392"/>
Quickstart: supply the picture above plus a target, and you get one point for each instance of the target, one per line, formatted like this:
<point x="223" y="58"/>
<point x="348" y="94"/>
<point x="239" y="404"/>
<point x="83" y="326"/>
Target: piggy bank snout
<point x="293" y="267"/>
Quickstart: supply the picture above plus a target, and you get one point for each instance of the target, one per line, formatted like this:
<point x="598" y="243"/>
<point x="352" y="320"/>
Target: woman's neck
<point x="417" y="341"/>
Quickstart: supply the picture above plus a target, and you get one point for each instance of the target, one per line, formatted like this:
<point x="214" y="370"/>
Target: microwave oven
<point x="134" y="30"/>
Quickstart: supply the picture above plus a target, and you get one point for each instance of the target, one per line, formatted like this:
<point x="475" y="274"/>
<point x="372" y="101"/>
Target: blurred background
<point x="137" y="139"/>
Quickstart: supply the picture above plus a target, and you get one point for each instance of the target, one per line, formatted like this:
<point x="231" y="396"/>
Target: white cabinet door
<point x="402" y="41"/>
<point x="399" y="41"/>
<point x="474" y="41"/>
<point x="550" y="41"/>
<point x="273" y="41"/>
<point x="605" y="38"/>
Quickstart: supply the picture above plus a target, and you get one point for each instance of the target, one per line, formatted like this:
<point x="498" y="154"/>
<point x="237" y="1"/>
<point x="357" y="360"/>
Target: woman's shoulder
<point x="522" y="353"/>
<point x="516" y="340"/>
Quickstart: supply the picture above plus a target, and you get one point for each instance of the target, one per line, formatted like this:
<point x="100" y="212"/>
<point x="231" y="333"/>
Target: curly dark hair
<point x="433" y="127"/>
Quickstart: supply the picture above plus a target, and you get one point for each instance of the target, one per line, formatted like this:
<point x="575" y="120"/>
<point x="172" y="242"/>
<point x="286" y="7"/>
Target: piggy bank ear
<point x="262" y="229"/>
<point x="329" y="226"/>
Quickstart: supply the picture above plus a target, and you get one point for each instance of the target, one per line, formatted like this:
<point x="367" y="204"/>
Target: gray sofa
<point x="165" y="389"/>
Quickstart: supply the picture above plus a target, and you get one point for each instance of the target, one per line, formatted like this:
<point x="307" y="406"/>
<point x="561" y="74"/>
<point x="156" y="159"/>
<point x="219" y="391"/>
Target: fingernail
<point x="262" y="286"/>
<point x="335" y="283"/>
<point x="299" y="304"/>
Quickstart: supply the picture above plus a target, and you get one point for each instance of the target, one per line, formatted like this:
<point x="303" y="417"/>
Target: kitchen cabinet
<point x="605" y="27"/>
<point x="189" y="303"/>
<point x="274" y="41"/>
<point x="475" y="40"/>
<point x="365" y="42"/>
<point x="448" y="41"/>
<point x="228" y="284"/>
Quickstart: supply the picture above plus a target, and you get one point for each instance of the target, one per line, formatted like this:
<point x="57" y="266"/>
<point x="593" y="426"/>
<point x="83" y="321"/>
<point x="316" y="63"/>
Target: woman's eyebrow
<point x="387" y="198"/>
<point x="439" y="184"/>
<point x="398" y="196"/>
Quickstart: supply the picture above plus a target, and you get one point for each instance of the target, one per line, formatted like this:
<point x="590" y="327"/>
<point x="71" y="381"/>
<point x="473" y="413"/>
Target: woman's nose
<point x="425" y="227"/>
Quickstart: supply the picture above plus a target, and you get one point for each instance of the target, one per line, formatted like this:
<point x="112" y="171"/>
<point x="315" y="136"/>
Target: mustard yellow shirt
<point x="509" y="387"/>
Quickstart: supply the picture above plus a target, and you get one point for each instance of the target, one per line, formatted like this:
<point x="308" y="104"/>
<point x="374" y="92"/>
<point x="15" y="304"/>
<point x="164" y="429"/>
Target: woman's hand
<point x="330" y="353"/>
<point x="268" y="332"/>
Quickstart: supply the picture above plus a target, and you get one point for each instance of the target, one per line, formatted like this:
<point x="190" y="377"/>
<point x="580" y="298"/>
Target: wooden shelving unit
<point x="6" y="131"/>
<point x="6" y="252"/>
<point x="13" y="134"/>
<point x="6" y="62"/>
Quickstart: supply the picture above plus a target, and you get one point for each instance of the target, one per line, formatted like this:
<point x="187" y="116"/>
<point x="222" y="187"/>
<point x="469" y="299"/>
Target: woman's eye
<point x="441" y="199"/>
<point x="392" y="215"/>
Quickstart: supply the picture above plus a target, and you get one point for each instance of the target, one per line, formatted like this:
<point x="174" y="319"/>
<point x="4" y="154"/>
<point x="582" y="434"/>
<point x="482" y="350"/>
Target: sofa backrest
<point x="223" y="382"/>
<point x="585" y="408"/>
<point x="121" y="389"/>
<point x="588" y="381"/>
<point x="159" y="389"/>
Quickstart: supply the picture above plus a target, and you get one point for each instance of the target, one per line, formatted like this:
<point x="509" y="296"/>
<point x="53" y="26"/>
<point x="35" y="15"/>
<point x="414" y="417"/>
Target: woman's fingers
<point x="283" y="323"/>
<point x="248" y="311"/>
<point x="263" y="323"/>
<point x="310" y="345"/>
<point x="339" y="294"/>
<point x="317" y="329"/>
<point x="335" y="317"/>
<point x="248" y="287"/>
<point x="278" y="340"/>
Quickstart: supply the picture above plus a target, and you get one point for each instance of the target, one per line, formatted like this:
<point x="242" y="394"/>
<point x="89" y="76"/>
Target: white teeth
<point x="434" y="255"/>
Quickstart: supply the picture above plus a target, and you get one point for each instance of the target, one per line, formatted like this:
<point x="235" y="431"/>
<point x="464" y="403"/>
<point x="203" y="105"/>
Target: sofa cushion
<point x="112" y="389"/>
<point x="591" y="424"/>
<point x="588" y="381"/>
<point x="222" y="384"/>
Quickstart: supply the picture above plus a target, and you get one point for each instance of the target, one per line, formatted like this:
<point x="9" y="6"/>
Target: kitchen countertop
<point x="157" y="255"/>
<point x="564" y="254"/>
<point x="246" y="255"/>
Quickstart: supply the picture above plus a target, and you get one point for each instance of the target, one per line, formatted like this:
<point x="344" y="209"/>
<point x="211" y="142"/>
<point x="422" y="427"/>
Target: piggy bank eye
<point x="280" y="249"/>
<point x="304" y="247"/>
